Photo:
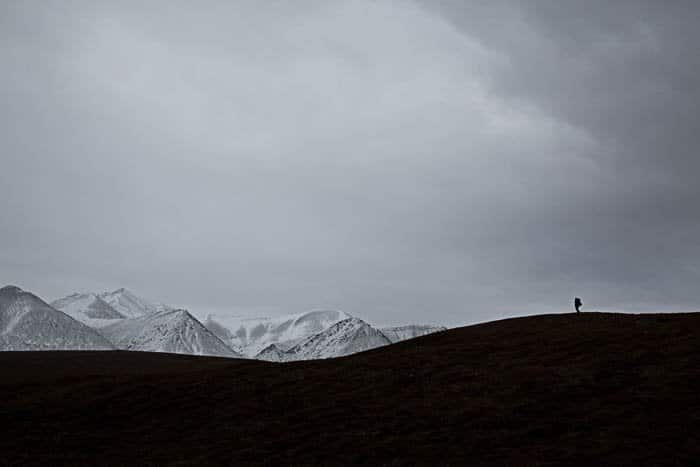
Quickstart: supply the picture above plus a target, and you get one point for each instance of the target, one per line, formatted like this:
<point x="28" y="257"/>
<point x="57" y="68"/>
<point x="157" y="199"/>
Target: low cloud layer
<point x="429" y="161"/>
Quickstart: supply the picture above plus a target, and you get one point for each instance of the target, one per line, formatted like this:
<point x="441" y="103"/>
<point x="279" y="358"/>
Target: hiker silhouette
<point x="578" y="304"/>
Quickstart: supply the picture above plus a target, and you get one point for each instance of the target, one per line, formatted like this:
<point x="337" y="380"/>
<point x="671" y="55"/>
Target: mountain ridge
<point x="132" y="322"/>
<point x="129" y="304"/>
<point x="88" y="308"/>
<point x="251" y="335"/>
<point x="173" y="331"/>
<point x="345" y="337"/>
<point x="29" y="323"/>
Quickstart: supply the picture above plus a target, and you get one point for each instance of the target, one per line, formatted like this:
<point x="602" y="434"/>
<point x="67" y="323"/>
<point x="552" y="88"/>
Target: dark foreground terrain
<point x="558" y="389"/>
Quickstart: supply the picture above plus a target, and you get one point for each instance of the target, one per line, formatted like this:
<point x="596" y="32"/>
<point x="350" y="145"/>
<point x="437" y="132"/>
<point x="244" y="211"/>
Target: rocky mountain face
<point x="272" y="353"/>
<point x="346" y="337"/>
<point x="130" y="305"/>
<point x="251" y="336"/>
<point x="173" y="331"/>
<point x="121" y="319"/>
<point x="29" y="323"/>
<point x="88" y="308"/>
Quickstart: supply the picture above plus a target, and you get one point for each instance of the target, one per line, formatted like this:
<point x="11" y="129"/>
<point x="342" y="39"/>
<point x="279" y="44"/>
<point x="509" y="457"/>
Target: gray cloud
<point x="626" y="75"/>
<point x="433" y="161"/>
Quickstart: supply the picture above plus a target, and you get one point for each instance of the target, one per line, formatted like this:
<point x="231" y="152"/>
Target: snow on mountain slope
<point x="129" y="305"/>
<point x="88" y="308"/>
<point x="343" y="338"/>
<point x="173" y="331"/>
<point x="224" y="334"/>
<point x="401" y="333"/>
<point x="218" y="330"/>
<point x="272" y="353"/>
<point x="29" y="323"/>
<point x="250" y="336"/>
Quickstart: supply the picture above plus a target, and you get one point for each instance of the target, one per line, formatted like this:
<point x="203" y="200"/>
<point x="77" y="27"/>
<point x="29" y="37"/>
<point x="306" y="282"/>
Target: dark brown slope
<point x="557" y="389"/>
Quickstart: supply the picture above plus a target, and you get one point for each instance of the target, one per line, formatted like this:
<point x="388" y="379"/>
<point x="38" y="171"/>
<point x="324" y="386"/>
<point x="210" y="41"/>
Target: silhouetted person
<point x="577" y="304"/>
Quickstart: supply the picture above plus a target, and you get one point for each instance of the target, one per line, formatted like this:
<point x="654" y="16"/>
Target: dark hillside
<point x="557" y="389"/>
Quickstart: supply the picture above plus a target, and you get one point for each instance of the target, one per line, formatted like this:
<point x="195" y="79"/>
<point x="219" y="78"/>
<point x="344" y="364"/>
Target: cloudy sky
<point x="405" y="161"/>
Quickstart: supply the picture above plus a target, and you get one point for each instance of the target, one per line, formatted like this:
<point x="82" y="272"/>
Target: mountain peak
<point x="88" y="308"/>
<point x="179" y="313"/>
<point x="119" y="291"/>
<point x="252" y="335"/>
<point x="271" y="348"/>
<point x="322" y="315"/>
<point x="168" y="330"/>
<point x="345" y="337"/>
<point x="129" y="304"/>
<point x="272" y="353"/>
<point x="29" y="323"/>
<point x="11" y="289"/>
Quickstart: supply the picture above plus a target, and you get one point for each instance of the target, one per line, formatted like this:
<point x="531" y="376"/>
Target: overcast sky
<point x="404" y="161"/>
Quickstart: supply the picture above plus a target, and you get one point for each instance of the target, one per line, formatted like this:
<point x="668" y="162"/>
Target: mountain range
<point x="349" y="336"/>
<point x="29" y="323"/>
<point x="251" y="335"/>
<point x="122" y="320"/>
<point x="88" y="308"/>
<point x="172" y="331"/>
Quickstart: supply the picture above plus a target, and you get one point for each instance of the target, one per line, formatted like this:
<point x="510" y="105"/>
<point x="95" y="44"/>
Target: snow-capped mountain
<point x="272" y="353"/>
<point x="220" y="331"/>
<point x="88" y="308"/>
<point x="346" y="337"/>
<point x="173" y="331"/>
<point x="401" y="333"/>
<point x="29" y="323"/>
<point x="129" y="305"/>
<point x="126" y="321"/>
<point x="251" y="336"/>
<point x="132" y="323"/>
